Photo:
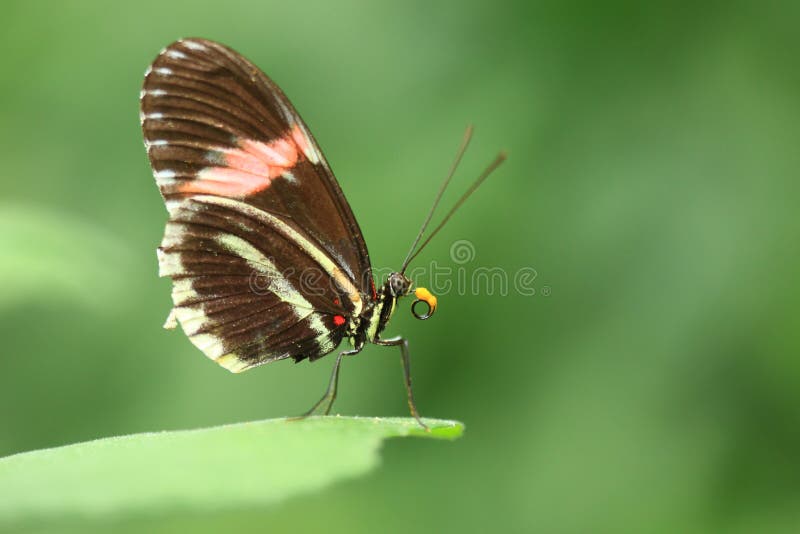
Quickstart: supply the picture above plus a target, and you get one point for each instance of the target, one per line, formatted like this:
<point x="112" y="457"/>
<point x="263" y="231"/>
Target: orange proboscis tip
<point x="426" y="296"/>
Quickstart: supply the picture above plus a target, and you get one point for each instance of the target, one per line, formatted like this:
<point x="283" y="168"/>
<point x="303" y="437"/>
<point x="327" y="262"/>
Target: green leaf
<point x="225" y="467"/>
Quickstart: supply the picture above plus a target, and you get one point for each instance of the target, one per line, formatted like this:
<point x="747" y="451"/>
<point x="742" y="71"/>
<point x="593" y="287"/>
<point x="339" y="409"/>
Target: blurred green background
<point x="652" y="183"/>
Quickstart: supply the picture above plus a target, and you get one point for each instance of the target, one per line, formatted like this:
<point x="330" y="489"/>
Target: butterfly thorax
<point x="376" y="315"/>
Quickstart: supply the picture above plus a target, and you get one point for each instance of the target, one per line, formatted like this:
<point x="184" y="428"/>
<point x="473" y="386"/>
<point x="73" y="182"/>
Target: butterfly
<point x="266" y="258"/>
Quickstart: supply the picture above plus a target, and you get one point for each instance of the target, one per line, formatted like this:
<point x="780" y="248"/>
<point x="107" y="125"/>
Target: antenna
<point x="501" y="157"/>
<point x="461" y="149"/>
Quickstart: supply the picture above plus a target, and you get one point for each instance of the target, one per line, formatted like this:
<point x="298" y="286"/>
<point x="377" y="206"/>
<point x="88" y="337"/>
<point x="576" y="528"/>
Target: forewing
<point x="215" y="124"/>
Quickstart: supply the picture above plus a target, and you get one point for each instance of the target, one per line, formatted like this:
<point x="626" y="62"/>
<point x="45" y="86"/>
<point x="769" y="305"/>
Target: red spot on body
<point x="249" y="168"/>
<point x="336" y="302"/>
<point x="338" y="320"/>
<point x="374" y="293"/>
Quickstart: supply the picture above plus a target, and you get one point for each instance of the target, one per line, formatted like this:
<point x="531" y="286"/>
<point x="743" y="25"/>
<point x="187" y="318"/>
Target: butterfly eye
<point x="423" y="295"/>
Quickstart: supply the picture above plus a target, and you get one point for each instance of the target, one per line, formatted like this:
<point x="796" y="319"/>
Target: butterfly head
<point x="399" y="286"/>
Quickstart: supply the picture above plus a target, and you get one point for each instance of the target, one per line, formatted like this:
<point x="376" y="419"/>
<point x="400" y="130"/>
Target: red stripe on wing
<point x="250" y="168"/>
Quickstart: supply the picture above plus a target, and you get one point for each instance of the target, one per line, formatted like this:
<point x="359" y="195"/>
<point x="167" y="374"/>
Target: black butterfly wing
<point x="266" y="256"/>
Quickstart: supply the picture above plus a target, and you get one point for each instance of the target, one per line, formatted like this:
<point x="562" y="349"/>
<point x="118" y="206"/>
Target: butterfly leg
<point x="330" y="393"/>
<point x="403" y="344"/>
